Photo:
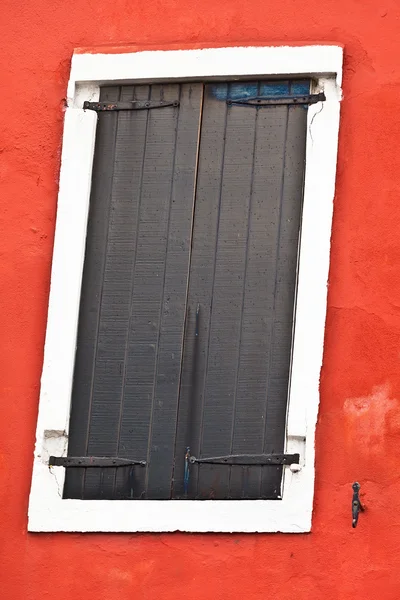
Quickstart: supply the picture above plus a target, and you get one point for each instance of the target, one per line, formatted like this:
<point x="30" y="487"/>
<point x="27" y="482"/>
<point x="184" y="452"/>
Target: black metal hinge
<point x="92" y="461"/>
<point x="248" y="459"/>
<point x="245" y="460"/>
<point x="131" y="105"/>
<point x="260" y="101"/>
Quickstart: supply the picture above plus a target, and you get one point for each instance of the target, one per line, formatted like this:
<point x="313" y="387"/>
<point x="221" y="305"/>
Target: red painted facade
<point x="359" y="421"/>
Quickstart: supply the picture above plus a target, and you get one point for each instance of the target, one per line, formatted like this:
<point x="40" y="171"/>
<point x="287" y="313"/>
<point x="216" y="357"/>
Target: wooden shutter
<point x="243" y="273"/>
<point x="179" y="227"/>
<point x="129" y="347"/>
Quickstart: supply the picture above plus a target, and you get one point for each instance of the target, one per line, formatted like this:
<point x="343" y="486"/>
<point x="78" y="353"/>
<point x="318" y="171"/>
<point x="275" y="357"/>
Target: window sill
<point x="292" y="514"/>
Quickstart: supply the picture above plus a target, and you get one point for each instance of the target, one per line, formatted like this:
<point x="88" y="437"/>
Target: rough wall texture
<point x="359" y="423"/>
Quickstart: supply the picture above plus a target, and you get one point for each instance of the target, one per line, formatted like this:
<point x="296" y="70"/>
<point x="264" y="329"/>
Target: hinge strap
<point x="92" y="461"/>
<point x="131" y="105"/>
<point x="245" y="460"/>
<point x="249" y="459"/>
<point x="260" y="101"/>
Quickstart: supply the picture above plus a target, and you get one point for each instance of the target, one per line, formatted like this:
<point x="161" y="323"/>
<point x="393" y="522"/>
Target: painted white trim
<point x="198" y="64"/>
<point x="47" y="510"/>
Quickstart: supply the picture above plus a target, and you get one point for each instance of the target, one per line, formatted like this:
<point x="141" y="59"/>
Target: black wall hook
<point x="356" y="505"/>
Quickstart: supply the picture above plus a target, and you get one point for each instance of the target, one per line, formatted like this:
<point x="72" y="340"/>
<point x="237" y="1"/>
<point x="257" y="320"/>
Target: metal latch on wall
<point x="356" y="505"/>
<point x="260" y="101"/>
<point x="130" y="105"/>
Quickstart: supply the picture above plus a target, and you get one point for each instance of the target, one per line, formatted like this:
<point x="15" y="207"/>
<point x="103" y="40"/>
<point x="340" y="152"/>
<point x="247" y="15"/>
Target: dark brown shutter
<point x="243" y="272"/>
<point x="134" y="293"/>
<point x="150" y="267"/>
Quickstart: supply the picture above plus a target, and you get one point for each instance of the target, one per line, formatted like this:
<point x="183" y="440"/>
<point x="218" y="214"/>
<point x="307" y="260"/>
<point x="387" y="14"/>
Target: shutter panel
<point x="130" y="334"/>
<point x="243" y="272"/>
<point x="176" y="223"/>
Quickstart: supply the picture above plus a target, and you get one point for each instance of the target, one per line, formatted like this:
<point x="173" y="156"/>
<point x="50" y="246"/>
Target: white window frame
<point x="47" y="510"/>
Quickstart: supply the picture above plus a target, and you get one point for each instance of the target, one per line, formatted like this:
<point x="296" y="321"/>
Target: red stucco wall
<point x="359" y="424"/>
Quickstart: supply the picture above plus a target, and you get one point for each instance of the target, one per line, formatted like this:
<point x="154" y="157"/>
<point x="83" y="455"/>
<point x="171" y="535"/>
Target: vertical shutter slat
<point x="206" y="218"/>
<point x="110" y="359"/>
<point x="92" y="285"/>
<point x="148" y="287"/>
<point x="172" y="315"/>
<point x="115" y="299"/>
<point x="255" y="353"/>
<point x="227" y="297"/>
<point x="286" y="267"/>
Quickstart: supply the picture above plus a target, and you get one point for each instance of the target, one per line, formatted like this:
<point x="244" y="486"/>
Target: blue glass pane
<point x="274" y="88"/>
<point x="243" y="90"/>
<point x="219" y="91"/>
<point x="251" y="89"/>
<point x="300" y="87"/>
